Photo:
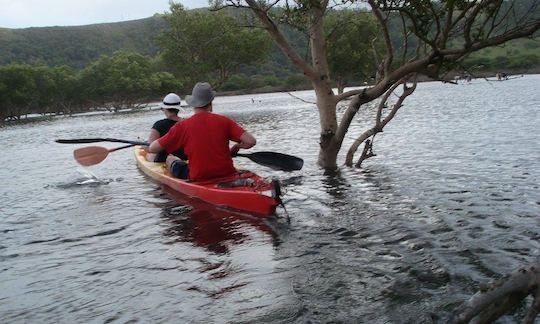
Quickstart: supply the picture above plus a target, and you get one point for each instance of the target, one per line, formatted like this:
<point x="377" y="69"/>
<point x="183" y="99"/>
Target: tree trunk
<point x="328" y="152"/>
<point x="341" y="84"/>
<point x="329" y="143"/>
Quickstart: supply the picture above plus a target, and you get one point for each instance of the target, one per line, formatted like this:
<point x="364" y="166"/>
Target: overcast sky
<point x="39" y="13"/>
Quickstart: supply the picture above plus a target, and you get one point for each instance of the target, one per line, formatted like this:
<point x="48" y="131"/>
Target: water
<point x="451" y="201"/>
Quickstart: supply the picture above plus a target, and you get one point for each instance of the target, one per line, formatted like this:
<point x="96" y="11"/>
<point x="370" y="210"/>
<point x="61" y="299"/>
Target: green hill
<point x="77" y="46"/>
<point x="518" y="55"/>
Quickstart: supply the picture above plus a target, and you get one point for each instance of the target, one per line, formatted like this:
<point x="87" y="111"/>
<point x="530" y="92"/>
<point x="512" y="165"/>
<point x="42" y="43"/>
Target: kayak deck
<point x="243" y="191"/>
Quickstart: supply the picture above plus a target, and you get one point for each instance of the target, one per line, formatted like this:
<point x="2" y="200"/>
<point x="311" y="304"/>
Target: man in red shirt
<point x="205" y="139"/>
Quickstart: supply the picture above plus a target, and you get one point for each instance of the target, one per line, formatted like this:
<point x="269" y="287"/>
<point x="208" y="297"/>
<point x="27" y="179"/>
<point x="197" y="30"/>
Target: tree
<point x="124" y="80"/>
<point x="352" y="45"/>
<point x="435" y="37"/>
<point x="24" y="89"/>
<point x="203" y="45"/>
<point x="66" y="95"/>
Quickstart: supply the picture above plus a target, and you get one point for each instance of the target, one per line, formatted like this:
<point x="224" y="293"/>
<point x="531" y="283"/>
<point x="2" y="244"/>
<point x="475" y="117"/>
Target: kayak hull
<point x="243" y="191"/>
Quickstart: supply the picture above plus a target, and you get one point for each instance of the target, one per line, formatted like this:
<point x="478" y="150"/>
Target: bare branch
<point x="501" y="296"/>
<point x="280" y="39"/>
<point x="522" y="31"/>
<point x="379" y="122"/>
<point x="470" y="20"/>
<point x="349" y="114"/>
<point x="407" y="91"/>
<point x="447" y="26"/>
<point x="367" y="152"/>
<point x="437" y="20"/>
<point x="534" y="309"/>
<point x="296" y="97"/>
<point x="387" y="40"/>
<point x="405" y="38"/>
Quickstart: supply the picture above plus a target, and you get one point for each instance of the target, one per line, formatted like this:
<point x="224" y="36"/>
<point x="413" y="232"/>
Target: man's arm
<point x="246" y="141"/>
<point x="155" y="147"/>
<point x="154" y="135"/>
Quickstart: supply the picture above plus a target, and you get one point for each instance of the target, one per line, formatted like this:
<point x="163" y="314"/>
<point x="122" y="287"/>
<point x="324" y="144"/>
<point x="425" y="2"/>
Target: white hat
<point x="171" y="101"/>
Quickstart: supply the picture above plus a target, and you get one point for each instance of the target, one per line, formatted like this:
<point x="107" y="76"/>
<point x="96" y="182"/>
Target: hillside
<point x="77" y="46"/>
<point x="516" y="55"/>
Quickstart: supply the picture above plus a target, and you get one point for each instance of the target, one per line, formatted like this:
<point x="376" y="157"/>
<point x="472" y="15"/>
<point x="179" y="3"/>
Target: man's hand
<point x="234" y="150"/>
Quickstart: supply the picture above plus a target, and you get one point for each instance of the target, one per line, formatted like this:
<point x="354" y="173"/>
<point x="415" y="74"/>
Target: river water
<point x="451" y="201"/>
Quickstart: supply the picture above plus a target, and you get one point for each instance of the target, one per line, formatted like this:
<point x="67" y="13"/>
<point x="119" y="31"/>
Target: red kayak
<point x="243" y="191"/>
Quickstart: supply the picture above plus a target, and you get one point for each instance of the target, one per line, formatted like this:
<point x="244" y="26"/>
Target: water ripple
<point x="450" y="202"/>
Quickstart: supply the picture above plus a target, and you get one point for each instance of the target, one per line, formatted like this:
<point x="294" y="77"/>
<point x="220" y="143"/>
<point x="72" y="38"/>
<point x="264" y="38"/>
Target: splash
<point x="89" y="178"/>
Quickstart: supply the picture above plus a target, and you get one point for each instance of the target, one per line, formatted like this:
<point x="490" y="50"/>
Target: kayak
<point x="244" y="191"/>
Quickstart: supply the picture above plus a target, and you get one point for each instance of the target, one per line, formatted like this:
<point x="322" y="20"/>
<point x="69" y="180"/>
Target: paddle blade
<point x="90" y="155"/>
<point x="277" y="161"/>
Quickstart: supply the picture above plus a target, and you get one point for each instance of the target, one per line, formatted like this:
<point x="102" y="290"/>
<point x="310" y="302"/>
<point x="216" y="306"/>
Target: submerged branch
<point x="501" y="296"/>
<point x="303" y="100"/>
<point x="379" y="121"/>
<point x="367" y="152"/>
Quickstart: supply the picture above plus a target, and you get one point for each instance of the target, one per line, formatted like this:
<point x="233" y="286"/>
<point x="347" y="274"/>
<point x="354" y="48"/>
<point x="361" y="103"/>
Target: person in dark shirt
<point x="170" y="107"/>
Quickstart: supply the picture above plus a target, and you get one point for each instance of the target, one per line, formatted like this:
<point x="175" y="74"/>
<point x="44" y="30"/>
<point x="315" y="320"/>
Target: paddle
<point x="274" y="160"/>
<point x="97" y="140"/>
<point x="95" y="154"/>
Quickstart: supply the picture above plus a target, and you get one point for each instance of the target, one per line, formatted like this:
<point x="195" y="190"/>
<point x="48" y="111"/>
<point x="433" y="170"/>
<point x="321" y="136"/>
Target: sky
<point x="40" y="13"/>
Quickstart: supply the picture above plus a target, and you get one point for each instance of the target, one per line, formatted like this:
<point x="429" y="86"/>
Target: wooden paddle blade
<point x="277" y="161"/>
<point x="90" y="155"/>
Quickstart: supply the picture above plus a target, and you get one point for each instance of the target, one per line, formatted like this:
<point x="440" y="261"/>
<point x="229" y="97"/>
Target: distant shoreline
<point x="154" y="105"/>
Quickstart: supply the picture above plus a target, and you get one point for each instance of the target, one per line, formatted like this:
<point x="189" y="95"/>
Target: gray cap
<point x="201" y="95"/>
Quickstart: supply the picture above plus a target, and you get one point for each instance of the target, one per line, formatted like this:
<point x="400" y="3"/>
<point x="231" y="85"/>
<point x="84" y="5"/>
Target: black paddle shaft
<point x="274" y="160"/>
<point x="96" y="140"/>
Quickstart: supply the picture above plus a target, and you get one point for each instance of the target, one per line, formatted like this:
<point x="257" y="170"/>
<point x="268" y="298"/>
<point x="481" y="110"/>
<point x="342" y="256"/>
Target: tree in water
<point x="421" y="37"/>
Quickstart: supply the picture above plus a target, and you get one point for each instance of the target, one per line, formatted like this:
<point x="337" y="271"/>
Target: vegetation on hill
<point x="209" y="45"/>
<point x="64" y="70"/>
<point x="517" y="55"/>
<point x="78" y="46"/>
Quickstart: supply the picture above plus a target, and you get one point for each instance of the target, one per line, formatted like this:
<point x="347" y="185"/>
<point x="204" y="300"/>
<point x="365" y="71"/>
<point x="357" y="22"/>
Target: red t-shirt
<point x="205" y="139"/>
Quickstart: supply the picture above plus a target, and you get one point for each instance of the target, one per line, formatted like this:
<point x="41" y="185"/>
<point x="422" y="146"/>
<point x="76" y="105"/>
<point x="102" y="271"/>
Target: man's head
<point x="201" y="96"/>
<point x="171" y="103"/>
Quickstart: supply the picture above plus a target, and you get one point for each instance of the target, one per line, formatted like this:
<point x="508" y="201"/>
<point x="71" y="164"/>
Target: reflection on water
<point x="211" y="227"/>
<point x="451" y="201"/>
